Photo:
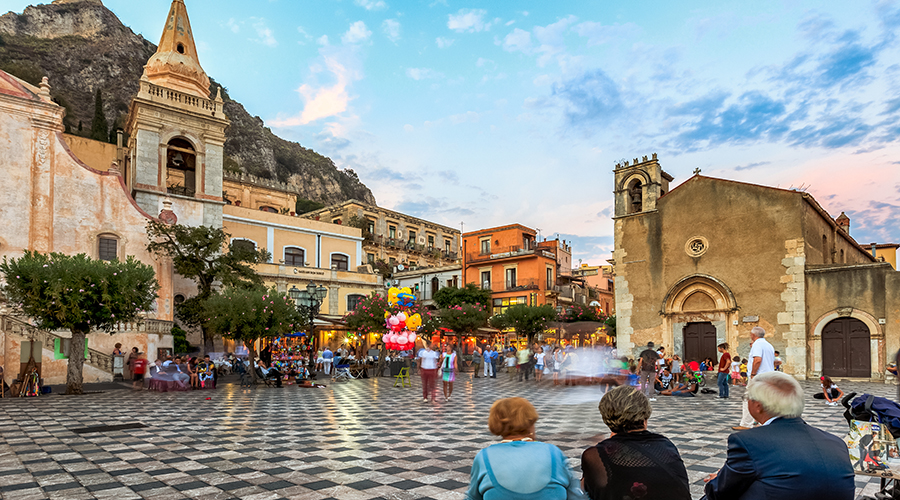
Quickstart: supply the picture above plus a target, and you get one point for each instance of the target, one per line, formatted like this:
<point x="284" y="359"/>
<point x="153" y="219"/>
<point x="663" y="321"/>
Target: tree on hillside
<point x="78" y="294"/>
<point x="249" y="314"/>
<point x="528" y="321"/>
<point x="470" y="294"/>
<point x="197" y="254"/>
<point x="99" y="126"/>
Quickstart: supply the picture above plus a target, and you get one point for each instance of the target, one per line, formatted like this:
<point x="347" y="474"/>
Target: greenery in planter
<point x="79" y="294"/>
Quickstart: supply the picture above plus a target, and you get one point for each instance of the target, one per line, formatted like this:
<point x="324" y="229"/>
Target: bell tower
<point x="639" y="185"/>
<point x="176" y="132"/>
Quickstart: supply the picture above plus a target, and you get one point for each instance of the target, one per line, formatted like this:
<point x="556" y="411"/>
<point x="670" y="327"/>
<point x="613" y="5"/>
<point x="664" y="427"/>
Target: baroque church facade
<point x="704" y="262"/>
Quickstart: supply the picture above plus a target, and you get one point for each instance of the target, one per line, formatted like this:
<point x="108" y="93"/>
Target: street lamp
<point x="310" y="300"/>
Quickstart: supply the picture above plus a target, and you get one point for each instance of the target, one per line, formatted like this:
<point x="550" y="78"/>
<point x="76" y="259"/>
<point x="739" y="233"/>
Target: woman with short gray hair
<point x="632" y="462"/>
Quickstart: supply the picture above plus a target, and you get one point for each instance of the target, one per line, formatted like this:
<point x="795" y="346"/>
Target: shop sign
<point x="303" y="271"/>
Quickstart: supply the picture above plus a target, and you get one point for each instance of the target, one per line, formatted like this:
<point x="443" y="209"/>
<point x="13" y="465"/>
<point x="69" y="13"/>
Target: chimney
<point x="843" y="222"/>
<point x="874" y="246"/>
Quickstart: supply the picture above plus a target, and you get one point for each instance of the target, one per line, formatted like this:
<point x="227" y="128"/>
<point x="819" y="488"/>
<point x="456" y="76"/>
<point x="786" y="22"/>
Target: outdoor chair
<point x="341" y="371"/>
<point x="402" y="378"/>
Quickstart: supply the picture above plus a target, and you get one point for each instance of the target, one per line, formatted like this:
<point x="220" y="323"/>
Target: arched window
<point x="340" y="262"/>
<point x="179" y="299"/>
<point x="294" y="256"/>
<point x="635" y="197"/>
<point x="107" y="247"/>
<point x="353" y="301"/>
<point x="181" y="168"/>
<point x="243" y="244"/>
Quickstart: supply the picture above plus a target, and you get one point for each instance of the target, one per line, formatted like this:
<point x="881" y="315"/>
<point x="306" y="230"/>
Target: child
<point x="736" y="370"/>
<point x="744" y="372"/>
<point x="778" y="361"/>
<point x="511" y="364"/>
<point x="663" y="380"/>
<point x="138" y="367"/>
<point x="831" y="393"/>
<point x="676" y="368"/>
<point x="539" y="366"/>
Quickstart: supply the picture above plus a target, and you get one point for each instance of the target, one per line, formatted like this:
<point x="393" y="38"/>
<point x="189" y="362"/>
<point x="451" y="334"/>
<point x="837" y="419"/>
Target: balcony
<point x="500" y="253"/>
<point x="511" y="286"/>
<point x="180" y="190"/>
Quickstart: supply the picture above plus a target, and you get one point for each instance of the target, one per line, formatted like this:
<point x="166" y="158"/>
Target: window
<point x="392" y="231"/>
<point x="337" y="221"/>
<point x="430" y="241"/>
<point x="843" y="259"/>
<point x="412" y="237"/>
<point x="181" y="168"/>
<point x="446" y="245"/>
<point x="549" y="277"/>
<point x="247" y="245"/>
<point x="501" y="305"/>
<point x="370" y="226"/>
<point x="485" y="246"/>
<point x="295" y="257"/>
<point x="486" y="280"/>
<point x="271" y="210"/>
<point x="510" y="279"/>
<point x="179" y="299"/>
<point x="107" y="248"/>
<point x="370" y="258"/>
<point x="392" y="261"/>
<point x="340" y="262"/>
<point x="353" y="301"/>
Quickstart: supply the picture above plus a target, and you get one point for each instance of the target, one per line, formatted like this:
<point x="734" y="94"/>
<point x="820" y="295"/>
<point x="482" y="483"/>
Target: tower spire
<point x="175" y="64"/>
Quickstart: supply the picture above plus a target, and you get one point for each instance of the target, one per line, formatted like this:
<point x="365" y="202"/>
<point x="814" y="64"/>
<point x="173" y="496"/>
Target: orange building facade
<point x="510" y="262"/>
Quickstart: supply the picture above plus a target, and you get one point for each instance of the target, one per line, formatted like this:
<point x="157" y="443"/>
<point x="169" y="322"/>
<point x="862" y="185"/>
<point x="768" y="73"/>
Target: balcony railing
<point x="499" y="253"/>
<point x="511" y="285"/>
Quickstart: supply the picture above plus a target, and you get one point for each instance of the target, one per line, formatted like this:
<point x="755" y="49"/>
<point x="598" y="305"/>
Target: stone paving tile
<point x="360" y="440"/>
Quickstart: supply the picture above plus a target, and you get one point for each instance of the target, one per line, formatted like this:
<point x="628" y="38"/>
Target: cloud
<point x="304" y="34"/>
<point x="836" y="132"/>
<point x="467" y="117"/>
<point x="391" y="29"/>
<point x="752" y="165"/>
<point x="443" y="43"/>
<point x="322" y="40"/>
<point x="422" y="73"/>
<point x="449" y="176"/>
<point x="263" y="32"/>
<point x="371" y="4"/>
<point x="325" y="101"/>
<point x="517" y="41"/>
<point x="599" y="33"/>
<point x="468" y="20"/>
<point x="233" y="25"/>
<point x="431" y="207"/>
<point x="357" y="33"/>
<point x="754" y="116"/>
<point x="845" y="63"/>
<point x="591" y="98"/>
<point x="482" y="62"/>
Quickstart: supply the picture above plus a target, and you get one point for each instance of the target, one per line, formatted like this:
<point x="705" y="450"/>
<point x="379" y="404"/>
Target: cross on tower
<point x="697" y="171"/>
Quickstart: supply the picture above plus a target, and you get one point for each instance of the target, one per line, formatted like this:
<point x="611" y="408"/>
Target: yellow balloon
<point x="406" y="290"/>
<point x="387" y="315"/>
<point x="414" y="322"/>
<point x="392" y="295"/>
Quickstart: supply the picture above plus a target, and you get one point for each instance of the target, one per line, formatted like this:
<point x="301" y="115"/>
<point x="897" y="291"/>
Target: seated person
<point x="270" y="373"/>
<point x="663" y="380"/>
<point x="830" y="392"/>
<point x="632" y="462"/>
<point x="686" y="388"/>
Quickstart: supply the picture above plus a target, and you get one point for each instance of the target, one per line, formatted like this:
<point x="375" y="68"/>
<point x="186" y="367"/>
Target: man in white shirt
<point x="428" y="367"/>
<point x="762" y="360"/>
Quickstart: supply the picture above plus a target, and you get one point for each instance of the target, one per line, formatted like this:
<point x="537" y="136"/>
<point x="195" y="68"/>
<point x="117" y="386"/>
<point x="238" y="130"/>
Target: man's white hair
<point x="778" y="393"/>
<point x="758" y="332"/>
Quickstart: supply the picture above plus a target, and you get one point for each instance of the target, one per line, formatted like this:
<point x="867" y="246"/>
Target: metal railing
<point x="499" y="253"/>
<point x="511" y="285"/>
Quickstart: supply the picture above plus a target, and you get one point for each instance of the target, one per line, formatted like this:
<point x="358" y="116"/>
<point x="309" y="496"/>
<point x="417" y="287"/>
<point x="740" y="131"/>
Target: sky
<point x="481" y="113"/>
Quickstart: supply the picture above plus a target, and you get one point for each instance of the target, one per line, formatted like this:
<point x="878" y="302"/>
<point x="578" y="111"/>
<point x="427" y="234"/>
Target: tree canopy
<point x="470" y="294"/>
<point x="465" y="318"/>
<point x="528" y="321"/>
<point x="368" y="317"/>
<point x="581" y="312"/>
<point x="197" y="254"/>
<point x="77" y="293"/>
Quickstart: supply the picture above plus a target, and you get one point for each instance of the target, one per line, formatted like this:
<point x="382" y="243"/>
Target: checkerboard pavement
<point x="358" y="440"/>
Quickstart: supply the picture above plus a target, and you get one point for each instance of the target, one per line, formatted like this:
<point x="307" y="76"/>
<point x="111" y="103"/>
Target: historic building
<point x="705" y="262"/>
<point x="426" y="281"/>
<point x="392" y="238"/>
<point x="597" y="281"/>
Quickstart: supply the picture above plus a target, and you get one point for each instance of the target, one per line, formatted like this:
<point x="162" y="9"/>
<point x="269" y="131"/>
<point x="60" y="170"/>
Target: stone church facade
<point x="705" y="262"/>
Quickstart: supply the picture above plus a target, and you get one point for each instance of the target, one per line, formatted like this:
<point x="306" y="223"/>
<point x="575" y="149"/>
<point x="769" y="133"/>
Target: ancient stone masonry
<point x="793" y="317"/>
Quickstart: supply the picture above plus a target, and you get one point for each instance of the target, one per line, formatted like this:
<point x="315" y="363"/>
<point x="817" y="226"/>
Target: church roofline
<point x="806" y="196"/>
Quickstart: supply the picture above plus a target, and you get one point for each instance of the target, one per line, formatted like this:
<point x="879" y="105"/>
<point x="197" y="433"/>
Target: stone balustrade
<point x="171" y="97"/>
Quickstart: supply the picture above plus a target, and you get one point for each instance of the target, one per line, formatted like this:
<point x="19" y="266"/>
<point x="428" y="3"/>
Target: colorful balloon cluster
<point x="401" y="326"/>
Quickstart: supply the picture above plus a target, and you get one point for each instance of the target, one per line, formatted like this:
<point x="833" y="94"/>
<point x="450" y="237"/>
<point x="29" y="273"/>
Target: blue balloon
<point x="406" y="299"/>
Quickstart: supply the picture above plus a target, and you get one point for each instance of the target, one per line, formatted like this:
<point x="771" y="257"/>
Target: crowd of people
<point x="634" y="463"/>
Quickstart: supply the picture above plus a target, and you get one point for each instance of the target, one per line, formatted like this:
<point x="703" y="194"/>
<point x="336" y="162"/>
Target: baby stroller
<point x="870" y="408"/>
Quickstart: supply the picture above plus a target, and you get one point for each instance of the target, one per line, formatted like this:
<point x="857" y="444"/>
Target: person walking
<point x="449" y="368"/>
<point x="476" y="361"/>
<point x="488" y="355"/>
<point x="762" y="360"/>
<point x="427" y="361"/>
<point x="724" y="367"/>
<point x="647" y="370"/>
<point x="327" y="358"/>
<point x="495" y="353"/>
<point x="523" y="356"/>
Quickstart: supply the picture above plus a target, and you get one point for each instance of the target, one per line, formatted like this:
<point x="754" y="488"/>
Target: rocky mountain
<point x="82" y="46"/>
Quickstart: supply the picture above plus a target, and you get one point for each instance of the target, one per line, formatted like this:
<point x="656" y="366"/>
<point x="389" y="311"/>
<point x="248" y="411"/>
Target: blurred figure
<point x="632" y="462"/>
<point x="518" y="467"/>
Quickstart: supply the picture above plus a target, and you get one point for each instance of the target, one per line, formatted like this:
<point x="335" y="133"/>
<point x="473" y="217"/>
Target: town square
<point x="384" y="249"/>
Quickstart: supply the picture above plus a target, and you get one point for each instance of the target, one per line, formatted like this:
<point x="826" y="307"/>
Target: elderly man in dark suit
<point x="784" y="458"/>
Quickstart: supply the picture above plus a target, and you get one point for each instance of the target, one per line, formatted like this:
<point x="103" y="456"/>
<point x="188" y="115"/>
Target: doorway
<point x="699" y="342"/>
<point x="846" y="350"/>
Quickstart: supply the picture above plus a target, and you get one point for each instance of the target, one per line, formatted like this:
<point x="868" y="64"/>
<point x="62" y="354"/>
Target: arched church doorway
<point x="699" y="342"/>
<point x="846" y="349"/>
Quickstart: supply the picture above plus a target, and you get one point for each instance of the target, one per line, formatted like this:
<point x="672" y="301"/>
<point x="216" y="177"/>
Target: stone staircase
<point x="99" y="360"/>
